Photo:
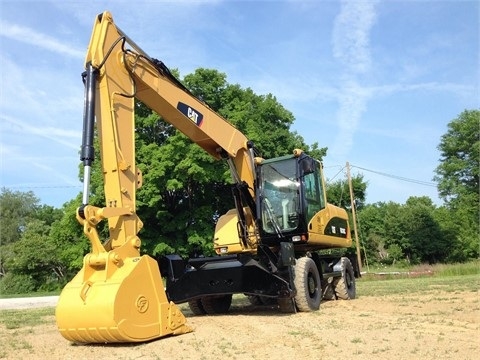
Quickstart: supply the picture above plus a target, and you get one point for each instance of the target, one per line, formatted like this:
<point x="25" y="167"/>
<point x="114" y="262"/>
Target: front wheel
<point x="308" y="285"/>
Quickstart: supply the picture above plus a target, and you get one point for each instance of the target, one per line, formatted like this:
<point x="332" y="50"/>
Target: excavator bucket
<point x="124" y="304"/>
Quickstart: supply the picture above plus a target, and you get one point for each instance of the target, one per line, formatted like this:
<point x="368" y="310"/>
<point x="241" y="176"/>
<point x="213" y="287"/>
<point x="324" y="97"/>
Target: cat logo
<point x="191" y="113"/>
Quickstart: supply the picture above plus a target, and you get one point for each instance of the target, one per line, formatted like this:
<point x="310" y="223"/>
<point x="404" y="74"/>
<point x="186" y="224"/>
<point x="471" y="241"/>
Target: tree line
<point x="185" y="190"/>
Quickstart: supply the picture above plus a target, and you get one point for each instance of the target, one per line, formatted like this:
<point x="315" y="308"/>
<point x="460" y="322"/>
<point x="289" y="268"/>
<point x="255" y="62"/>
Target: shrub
<point x="16" y="284"/>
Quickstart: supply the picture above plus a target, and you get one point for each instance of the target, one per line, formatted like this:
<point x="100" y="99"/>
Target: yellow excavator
<point x="269" y="247"/>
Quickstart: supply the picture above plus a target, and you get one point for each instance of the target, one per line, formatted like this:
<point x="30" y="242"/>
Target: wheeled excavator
<point x="269" y="247"/>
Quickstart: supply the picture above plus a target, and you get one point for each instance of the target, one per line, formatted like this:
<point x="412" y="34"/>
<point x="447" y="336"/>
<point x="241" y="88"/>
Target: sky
<point x="376" y="82"/>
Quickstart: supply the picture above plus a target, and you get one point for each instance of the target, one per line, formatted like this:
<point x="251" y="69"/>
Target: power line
<point x="396" y="177"/>
<point x="40" y="186"/>
<point x="330" y="180"/>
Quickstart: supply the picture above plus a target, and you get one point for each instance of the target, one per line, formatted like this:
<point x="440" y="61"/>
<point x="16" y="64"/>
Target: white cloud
<point x="351" y="35"/>
<point x="60" y="136"/>
<point x="32" y="37"/>
<point x="351" y="47"/>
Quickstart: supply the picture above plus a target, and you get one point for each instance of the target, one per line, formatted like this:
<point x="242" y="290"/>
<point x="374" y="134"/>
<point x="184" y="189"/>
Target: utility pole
<point x="354" y="217"/>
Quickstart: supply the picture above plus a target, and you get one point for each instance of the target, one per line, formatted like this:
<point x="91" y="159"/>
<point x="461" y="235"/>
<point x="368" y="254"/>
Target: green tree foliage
<point x="458" y="180"/>
<point x="70" y="242"/>
<point x="338" y="192"/>
<point x="410" y="232"/>
<point x="185" y="191"/>
<point x="36" y="255"/>
<point x="372" y="231"/>
<point x="458" y="171"/>
<point x="425" y="237"/>
<point x="28" y="256"/>
<point x="16" y="210"/>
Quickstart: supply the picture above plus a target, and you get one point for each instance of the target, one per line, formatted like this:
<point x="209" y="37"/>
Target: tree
<point x="427" y="240"/>
<point x="458" y="171"/>
<point x="27" y="252"/>
<point x="410" y="232"/>
<point x="36" y="256"/>
<point x="338" y="192"/>
<point x="458" y="178"/>
<point x="71" y="244"/>
<point x="16" y="210"/>
<point x="372" y="231"/>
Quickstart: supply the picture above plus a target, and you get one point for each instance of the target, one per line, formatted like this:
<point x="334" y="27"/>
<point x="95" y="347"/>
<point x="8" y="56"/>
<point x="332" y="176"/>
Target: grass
<point x="15" y="319"/>
<point x="468" y="268"/>
<point x="420" y="278"/>
<point x="450" y="283"/>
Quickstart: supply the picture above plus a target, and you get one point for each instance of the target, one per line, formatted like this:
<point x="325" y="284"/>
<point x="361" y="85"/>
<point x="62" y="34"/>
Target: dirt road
<point x="28" y="303"/>
<point x="437" y="325"/>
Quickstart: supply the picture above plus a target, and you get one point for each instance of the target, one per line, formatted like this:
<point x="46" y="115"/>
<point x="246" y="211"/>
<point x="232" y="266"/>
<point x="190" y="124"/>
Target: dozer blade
<point x="126" y="304"/>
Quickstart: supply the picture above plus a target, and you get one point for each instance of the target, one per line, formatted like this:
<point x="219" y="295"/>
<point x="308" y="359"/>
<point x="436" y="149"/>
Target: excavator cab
<point x="291" y="201"/>
<point x="282" y="200"/>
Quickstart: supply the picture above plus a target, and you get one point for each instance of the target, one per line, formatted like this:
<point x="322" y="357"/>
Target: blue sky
<point x="376" y="82"/>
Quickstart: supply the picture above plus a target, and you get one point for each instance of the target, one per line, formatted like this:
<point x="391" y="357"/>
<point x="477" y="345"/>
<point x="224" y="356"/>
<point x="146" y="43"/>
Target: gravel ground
<point x="439" y="324"/>
<point x="28" y="303"/>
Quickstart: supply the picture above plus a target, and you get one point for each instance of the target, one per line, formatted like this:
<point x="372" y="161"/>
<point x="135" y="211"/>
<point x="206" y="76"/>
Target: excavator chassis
<point x="264" y="275"/>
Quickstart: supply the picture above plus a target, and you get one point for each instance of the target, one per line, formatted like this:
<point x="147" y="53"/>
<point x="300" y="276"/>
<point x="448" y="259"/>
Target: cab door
<point x="313" y="190"/>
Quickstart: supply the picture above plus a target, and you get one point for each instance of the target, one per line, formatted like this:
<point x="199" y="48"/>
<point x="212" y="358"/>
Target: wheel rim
<point x="312" y="285"/>
<point x="348" y="279"/>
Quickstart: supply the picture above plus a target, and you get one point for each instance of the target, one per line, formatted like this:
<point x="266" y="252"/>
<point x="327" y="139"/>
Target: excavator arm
<point x="118" y="295"/>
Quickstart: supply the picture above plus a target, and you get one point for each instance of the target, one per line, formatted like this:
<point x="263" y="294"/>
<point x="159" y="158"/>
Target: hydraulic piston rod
<point x="87" y="154"/>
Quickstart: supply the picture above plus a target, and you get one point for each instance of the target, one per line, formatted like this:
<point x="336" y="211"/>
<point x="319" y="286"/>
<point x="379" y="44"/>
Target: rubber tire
<point x="254" y="300"/>
<point x="308" y="285"/>
<point x="196" y="307"/>
<point x="217" y="304"/>
<point x="345" y="287"/>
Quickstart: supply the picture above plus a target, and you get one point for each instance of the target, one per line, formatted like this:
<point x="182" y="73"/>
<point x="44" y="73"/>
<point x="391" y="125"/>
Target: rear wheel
<point x="217" y="304"/>
<point x="345" y="287"/>
<point x="196" y="307"/>
<point x="254" y="300"/>
<point x="308" y="285"/>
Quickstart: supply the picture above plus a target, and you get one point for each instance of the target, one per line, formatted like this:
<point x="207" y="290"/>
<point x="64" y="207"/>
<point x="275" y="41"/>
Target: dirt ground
<point x="436" y="325"/>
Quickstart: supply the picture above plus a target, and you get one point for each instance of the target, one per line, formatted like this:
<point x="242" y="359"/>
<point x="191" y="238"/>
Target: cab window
<point x="313" y="190"/>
